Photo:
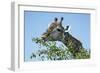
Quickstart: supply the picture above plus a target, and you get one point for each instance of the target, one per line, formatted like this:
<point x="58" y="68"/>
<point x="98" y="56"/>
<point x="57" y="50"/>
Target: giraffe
<point x="56" y="32"/>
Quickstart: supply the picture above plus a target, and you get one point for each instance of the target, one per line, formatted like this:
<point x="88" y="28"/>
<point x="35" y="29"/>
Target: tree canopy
<point x="50" y="51"/>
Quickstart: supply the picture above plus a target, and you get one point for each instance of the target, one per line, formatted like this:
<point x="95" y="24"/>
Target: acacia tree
<point x="50" y="51"/>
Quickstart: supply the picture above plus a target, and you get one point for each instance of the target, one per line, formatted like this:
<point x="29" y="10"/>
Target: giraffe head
<point x="55" y="32"/>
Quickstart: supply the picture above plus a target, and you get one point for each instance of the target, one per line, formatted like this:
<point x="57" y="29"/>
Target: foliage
<point x="83" y="54"/>
<point x="50" y="51"/>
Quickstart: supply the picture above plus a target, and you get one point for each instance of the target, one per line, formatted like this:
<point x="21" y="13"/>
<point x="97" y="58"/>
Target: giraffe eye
<point x="59" y="30"/>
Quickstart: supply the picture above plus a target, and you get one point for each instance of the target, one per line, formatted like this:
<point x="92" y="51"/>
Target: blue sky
<point x="37" y="22"/>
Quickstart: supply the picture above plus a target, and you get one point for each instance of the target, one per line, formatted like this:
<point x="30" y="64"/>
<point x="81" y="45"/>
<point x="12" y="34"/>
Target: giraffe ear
<point x="67" y="29"/>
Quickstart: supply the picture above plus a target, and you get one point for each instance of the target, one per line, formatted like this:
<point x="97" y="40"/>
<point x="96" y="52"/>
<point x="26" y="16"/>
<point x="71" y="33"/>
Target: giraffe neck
<point x="72" y="43"/>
